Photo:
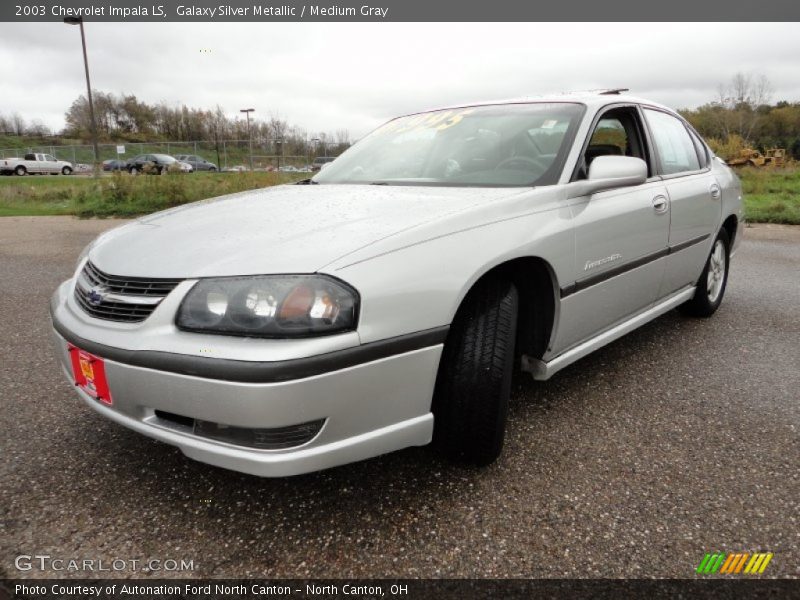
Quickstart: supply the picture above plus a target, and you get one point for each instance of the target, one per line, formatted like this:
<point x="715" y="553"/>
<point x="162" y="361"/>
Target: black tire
<point x="704" y="303"/>
<point x="66" y="171"/>
<point x="212" y="170"/>
<point x="21" y="170"/>
<point x="474" y="381"/>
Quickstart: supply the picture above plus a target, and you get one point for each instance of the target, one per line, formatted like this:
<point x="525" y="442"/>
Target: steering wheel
<point x="520" y="159"/>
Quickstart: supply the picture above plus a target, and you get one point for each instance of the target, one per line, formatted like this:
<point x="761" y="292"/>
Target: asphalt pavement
<point x="677" y="440"/>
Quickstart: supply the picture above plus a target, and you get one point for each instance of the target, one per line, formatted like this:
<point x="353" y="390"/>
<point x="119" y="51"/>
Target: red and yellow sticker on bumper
<point x="89" y="373"/>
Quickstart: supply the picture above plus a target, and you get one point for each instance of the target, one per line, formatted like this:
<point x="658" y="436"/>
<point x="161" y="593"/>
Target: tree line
<point x="741" y="115"/>
<point x="125" y="118"/>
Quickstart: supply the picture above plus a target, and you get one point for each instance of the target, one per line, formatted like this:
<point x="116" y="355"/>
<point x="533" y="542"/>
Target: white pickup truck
<point x="35" y="163"/>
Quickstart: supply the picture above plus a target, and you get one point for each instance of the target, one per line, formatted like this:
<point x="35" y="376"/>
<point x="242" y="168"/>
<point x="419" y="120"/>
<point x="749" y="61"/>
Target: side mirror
<point x="609" y="172"/>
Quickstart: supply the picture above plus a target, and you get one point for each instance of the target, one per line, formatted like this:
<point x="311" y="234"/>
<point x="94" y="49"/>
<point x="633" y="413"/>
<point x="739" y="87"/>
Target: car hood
<point x="284" y="229"/>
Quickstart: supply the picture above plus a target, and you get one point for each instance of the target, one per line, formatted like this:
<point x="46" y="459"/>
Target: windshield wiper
<point x="379" y="183"/>
<point x="308" y="181"/>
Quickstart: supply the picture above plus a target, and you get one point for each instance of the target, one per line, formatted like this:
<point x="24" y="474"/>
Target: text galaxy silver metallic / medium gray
<point x="385" y="302"/>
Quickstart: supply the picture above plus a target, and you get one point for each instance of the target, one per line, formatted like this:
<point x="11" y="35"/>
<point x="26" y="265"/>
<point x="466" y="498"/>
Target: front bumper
<point x="369" y="409"/>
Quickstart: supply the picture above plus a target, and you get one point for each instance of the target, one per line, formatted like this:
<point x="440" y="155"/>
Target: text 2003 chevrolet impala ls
<point x="385" y="302"/>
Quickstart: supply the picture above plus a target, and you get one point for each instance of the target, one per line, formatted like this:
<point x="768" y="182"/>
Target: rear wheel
<point x="474" y="382"/>
<point x="20" y="170"/>
<point x="712" y="282"/>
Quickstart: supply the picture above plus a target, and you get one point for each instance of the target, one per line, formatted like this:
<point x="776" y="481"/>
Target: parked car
<point x="115" y="165"/>
<point x="321" y="160"/>
<point x="386" y="301"/>
<point x="35" y="164"/>
<point x="157" y="164"/>
<point x="198" y="162"/>
<point x="185" y="167"/>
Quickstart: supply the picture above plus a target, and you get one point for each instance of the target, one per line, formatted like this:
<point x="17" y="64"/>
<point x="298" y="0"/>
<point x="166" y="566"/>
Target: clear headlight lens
<point x="273" y="306"/>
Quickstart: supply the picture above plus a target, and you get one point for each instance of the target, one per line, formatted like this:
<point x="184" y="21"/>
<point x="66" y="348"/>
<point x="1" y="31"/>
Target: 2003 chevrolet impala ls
<point x="385" y="302"/>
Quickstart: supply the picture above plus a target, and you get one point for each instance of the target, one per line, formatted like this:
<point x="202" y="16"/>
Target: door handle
<point x="716" y="193"/>
<point x="660" y="204"/>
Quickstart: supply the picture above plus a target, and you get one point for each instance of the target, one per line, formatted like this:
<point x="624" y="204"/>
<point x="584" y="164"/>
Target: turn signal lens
<point x="298" y="303"/>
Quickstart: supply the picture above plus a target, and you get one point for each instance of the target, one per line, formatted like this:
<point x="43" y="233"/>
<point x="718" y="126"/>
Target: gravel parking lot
<point x="679" y="439"/>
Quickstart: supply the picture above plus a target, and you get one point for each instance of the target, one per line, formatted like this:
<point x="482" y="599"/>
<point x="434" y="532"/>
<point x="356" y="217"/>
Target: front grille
<point x="129" y="286"/>
<point x="273" y="438"/>
<point x="116" y="298"/>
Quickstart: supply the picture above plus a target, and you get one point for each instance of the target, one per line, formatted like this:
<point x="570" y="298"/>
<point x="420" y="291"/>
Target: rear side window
<point x="702" y="154"/>
<point x="674" y="146"/>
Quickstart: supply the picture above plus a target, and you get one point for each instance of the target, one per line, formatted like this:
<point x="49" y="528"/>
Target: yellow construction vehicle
<point x="748" y="157"/>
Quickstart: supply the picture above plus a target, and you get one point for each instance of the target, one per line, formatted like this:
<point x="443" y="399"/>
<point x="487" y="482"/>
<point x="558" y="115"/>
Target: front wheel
<point x="133" y="171"/>
<point x="474" y="382"/>
<point x="712" y="282"/>
<point x="66" y="171"/>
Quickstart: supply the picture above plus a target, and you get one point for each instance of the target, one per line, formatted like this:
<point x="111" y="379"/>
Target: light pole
<point x="247" y="111"/>
<point x="79" y="21"/>
<point x="279" y="143"/>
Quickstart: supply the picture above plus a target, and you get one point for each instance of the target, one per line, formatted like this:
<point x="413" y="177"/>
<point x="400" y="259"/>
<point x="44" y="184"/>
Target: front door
<point x="621" y="238"/>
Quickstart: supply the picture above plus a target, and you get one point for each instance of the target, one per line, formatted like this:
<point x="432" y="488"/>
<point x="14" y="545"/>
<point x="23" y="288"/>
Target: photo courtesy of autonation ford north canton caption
<point x="199" y="591"/>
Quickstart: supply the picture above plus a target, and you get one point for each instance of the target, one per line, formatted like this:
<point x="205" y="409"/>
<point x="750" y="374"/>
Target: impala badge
<point x="591" y="264"/>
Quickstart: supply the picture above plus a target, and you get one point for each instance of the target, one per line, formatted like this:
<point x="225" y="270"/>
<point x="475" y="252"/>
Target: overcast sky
<point x="324" y="77"/>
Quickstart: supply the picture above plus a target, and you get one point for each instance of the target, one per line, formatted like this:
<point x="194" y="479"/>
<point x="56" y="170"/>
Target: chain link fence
<point x="225" y="153"/>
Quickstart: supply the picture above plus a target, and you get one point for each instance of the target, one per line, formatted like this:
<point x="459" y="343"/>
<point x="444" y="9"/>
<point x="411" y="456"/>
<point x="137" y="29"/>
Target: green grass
<point x="123" y="195"/>
<point x="771" y="195"/>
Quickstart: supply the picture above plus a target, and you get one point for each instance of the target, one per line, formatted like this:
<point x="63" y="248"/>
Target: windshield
<point x="499" y="145"/>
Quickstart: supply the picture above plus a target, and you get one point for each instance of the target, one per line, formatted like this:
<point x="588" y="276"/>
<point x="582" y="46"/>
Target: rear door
<point x="694" y="196"/>
<point x="51" y="164"/>
<point x="621" y="236"/>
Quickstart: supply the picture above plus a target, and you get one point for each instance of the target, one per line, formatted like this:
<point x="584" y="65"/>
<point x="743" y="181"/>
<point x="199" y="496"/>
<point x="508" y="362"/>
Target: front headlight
<point x="270" y="306"/>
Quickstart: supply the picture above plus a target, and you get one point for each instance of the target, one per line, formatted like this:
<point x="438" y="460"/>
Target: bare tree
<point x="37" y="127"/>
<point x="17" y="124"/>
<point x="740" y="100"/>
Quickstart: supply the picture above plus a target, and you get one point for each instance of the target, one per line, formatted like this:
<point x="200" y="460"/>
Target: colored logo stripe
<point x="735" y="562"/>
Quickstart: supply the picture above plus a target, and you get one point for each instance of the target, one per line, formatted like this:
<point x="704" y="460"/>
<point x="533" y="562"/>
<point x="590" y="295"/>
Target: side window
<point x="618" y="132"/>
<point x="702" y="153"/>
<point x="674" y="146"/>
<point x="610" y="134"/>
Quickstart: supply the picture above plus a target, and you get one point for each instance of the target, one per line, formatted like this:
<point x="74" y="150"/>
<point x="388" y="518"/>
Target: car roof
<point x="593" y="99"/>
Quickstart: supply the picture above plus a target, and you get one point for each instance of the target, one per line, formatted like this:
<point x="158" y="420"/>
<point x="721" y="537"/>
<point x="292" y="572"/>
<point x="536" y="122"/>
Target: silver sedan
<point x="386" y="302"/>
